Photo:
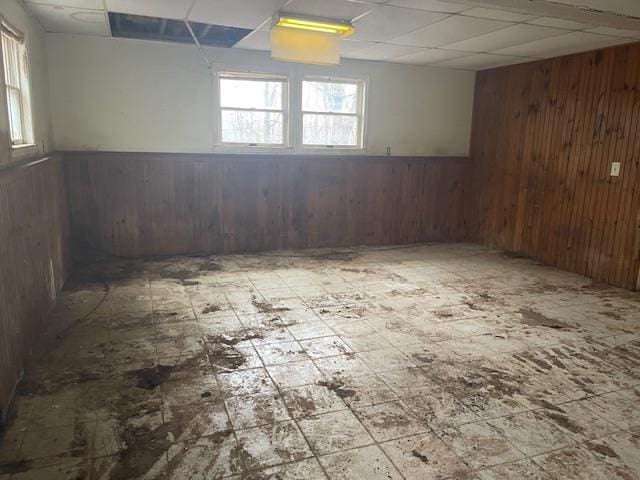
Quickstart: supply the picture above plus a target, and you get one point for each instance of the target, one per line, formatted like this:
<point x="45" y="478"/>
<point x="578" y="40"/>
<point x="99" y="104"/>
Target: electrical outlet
<point x="615" y="169"/>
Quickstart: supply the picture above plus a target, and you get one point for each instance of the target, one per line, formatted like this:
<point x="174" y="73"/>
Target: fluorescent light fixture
<point x="305" y="46"/>
<point x="336" y="27"/>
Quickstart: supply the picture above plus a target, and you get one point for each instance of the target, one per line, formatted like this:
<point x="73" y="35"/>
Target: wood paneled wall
<point x="544" y="136"/>
<point x="134" y="204"/>
<point x="34" y="259"/>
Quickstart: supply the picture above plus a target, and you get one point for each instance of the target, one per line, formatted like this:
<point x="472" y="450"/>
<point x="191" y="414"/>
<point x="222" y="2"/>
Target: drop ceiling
<point x="462" y="34"/>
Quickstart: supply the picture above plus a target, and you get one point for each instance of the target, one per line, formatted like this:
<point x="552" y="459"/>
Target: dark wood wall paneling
<point x="34" y="259"/>
<point x="544" y="136"/>
<point x="134" y="204"/>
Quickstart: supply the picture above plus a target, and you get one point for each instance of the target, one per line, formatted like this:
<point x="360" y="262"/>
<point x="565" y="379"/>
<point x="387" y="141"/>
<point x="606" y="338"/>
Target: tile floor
<point x="422" y="362"/>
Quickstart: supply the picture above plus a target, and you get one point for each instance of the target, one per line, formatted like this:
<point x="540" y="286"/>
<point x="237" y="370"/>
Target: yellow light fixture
<point x="305" y="46"/>
<point x="343" y="29"/>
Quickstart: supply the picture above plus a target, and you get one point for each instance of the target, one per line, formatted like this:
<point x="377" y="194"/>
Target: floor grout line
<point x="350" y="302"/>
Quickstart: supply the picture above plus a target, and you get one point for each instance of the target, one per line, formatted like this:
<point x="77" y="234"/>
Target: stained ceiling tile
<point x="257" y="40"/>
<point x="615" y="32"/>
<point x="383" y="51"/>
<point x="175" y="9"/>
<point x="506" y="37"/>
<point x="558" y="23"/>
<point x="430" y="55"/>
<point x="481" y="61"/>
<point x="336" y="9"/>
<point x="498" y="15"/>
<point x="59" y="19"/>
<point x="235" y="13"/>
<point x="453" y="29"/>
<point x="564" y="44"/>
<point x="385" y="22"/>
<point x="431" y="5"/>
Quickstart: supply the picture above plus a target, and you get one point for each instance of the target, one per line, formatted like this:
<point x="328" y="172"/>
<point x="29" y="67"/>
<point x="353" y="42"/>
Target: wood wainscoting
<point x="544" y="137"/>
<point x="139" y="204"/>
<point x="34" y="259"/>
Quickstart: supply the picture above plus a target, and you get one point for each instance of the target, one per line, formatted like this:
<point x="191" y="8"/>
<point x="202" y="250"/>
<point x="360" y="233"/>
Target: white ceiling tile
<point x="616" y="32"/>
<point x="453" y="29"/>
<point x="506" y="37"/>
<point x="83" y="4"/>
<point x="176" y="9"/>
<point x="564" y="44"/>
<point x="383" y="51"/>
<point x="336" y="9"/>
<point x="481" y="61"/>
<point x="430" y="55"/>
<point x="348" y="46"/>
<point x="385" y="22"/>
<point x="71" y="20"/>
<point x="498" y="15"/>
<point x="559" y="23"/>
<point x="235" y="13"/>
<point x="430" y="5"/>
<point x="256" y="40"/>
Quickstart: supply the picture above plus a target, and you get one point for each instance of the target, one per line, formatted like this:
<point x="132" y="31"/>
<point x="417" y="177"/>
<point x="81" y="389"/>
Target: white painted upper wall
<point x="114" y="94"/>
<point x="13" y="12"/>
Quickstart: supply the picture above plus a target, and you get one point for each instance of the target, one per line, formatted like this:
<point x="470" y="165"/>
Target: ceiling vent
<point x="168" y="30"/>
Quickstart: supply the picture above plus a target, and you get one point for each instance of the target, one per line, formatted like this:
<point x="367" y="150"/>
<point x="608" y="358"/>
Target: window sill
<point x="288" y="150"/>
<point x="19" y="151"/>
<point x="250" y="146"/>
<point x="331" y="149"/>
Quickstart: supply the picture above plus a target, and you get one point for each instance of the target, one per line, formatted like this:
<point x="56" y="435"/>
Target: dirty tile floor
<point x="421" y="362"/>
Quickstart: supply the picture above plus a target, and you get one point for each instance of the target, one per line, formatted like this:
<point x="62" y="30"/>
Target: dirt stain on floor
<point x="223" y="351"/>
<point x="14" y="468"/>
<point x="150" y="378"/>
<point x="237" y="336"/>
<point x="212" y="308"/>
<point x="305" y="404"/>
<point x="225" y="357"/>
<point x="536" y="319"/>
<point x="601" y="449"/>
<point x="564" y="421"/>
<point x="210" y="266"/>
<point x="420" y="456"/>
<point x="266" y="307"/>
<point x="337" y="388"/>
<point x="336" y="256"/>
<point x="612" y="315"/>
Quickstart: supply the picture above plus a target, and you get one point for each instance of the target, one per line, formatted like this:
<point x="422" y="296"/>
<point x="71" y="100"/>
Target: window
<point x="253" y="110"/>
<point x="16" y="79"/>
<point x="332" y="113"/>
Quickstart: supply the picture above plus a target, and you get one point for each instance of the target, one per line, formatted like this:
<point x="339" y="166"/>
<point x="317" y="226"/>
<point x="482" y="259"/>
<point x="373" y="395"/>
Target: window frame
<point x="254" y="76"/>
<point x="362" y="86"/>
<point x="23" y="89"/>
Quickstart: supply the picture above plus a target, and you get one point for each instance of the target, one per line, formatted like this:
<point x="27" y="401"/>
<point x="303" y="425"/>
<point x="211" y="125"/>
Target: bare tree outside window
<point x="332" y="113"/>
<point x="252" y="110"/>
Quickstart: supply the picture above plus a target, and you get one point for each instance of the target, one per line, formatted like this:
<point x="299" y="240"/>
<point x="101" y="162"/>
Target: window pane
<point x="10" y="50"/>
<point x="260" y="94"/>
<point x="15" y="115"/>
<point x="329" y="97"/>
<point x="241" y="126"/>
<point x="330" y="130"/>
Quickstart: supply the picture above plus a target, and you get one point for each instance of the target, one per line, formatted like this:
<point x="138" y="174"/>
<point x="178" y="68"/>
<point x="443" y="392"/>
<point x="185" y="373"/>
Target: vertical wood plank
<point x="581" y="115"/>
